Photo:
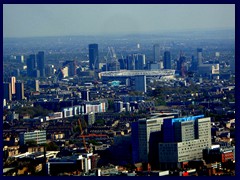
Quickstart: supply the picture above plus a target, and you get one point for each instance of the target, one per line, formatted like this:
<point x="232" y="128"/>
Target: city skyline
<point x="32" y="20"/>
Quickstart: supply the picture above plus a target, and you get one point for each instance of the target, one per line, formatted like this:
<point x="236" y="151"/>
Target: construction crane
<point x="83" y="137"/>
<point x="111" y="57"/>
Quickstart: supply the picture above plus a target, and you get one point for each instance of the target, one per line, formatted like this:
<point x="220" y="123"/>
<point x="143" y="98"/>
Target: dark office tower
<point x="93" y="57"/>
<point x="140" y="61"/>
<point x="167" y="60"/>
<point x="156" y="53"/>
<point x="181" y="65"/>
<point x="199" y="56"/>
<point x="140" y="83"/>
<point x="7" y="93"/>
<point x="19" y="91"/>
<point x="31" y="64"/>
<point x="194" y="64"/>
<point x="41" y="63"/>
<point x="130" y="62"/>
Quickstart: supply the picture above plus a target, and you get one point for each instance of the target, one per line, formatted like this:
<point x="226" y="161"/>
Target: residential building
<point x="38" y="136"/>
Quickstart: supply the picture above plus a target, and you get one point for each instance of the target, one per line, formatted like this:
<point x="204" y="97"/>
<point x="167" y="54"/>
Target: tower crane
<point x="83" y="137"/>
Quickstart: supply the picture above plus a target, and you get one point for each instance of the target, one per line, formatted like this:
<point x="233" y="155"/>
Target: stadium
<point x="123" y="75"/>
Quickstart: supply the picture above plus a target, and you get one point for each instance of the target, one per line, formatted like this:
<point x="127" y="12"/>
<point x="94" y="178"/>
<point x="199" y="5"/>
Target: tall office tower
<point x="183" y="140"/>
<point x="93" y="57"/>
<point x="199" y="56"/>
<point x="31" y="64"/>
<point x="140" y="61"/>
<point x="7" y="94"/>
<point x="19" y="91"/>
<point x="12" y="80"/>
<point x="167" y="60"/>
<point x="41" y="63"/>
<point x="71" y="67"/>
<point x="142" y="130"/>
<point x="181" y="65"/>
<point x="130" y="62"/>
<point x="156" y="53"/>
<point x="140" y="83"/>
<point x="194" y="64"/>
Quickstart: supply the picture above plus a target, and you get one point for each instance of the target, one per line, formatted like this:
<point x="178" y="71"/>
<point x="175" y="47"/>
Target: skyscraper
<point x="181" y="65"/>
<point x="167" y="60"/>
<point x="93" y="57"/>
<point x="41" y="63"/>
<point x="12" y="80"/>
<point x="7" y="94"/>
<point x="199" y="56"/>
<point x="19" y="91"/>
<point x="31" y="64"/>
<point x="130" y="62"/>
<point x="140" y="61"/>
<point x="194" y="64"/>
<point x="156" y="53"/>
<point x="140" y="83"/>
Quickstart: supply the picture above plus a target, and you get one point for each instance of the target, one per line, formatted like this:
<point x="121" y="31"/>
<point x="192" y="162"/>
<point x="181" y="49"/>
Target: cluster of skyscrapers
<point x="13" y="89"/>
<point x="36" y="65"/>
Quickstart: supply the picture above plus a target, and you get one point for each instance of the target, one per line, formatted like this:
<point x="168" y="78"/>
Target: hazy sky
<point x="22" y="20"/>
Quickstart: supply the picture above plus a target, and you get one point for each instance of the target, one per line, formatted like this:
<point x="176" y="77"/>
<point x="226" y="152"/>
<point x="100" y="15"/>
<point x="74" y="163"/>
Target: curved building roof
<point x="128" y="73"/>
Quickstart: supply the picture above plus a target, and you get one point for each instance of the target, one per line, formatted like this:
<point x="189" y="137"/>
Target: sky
<point x="34" y="20"/>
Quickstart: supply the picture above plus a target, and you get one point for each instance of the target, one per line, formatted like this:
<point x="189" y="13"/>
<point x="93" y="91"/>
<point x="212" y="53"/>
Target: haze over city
<point x="34" y="20"/>
<point x="119" y="90"/>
